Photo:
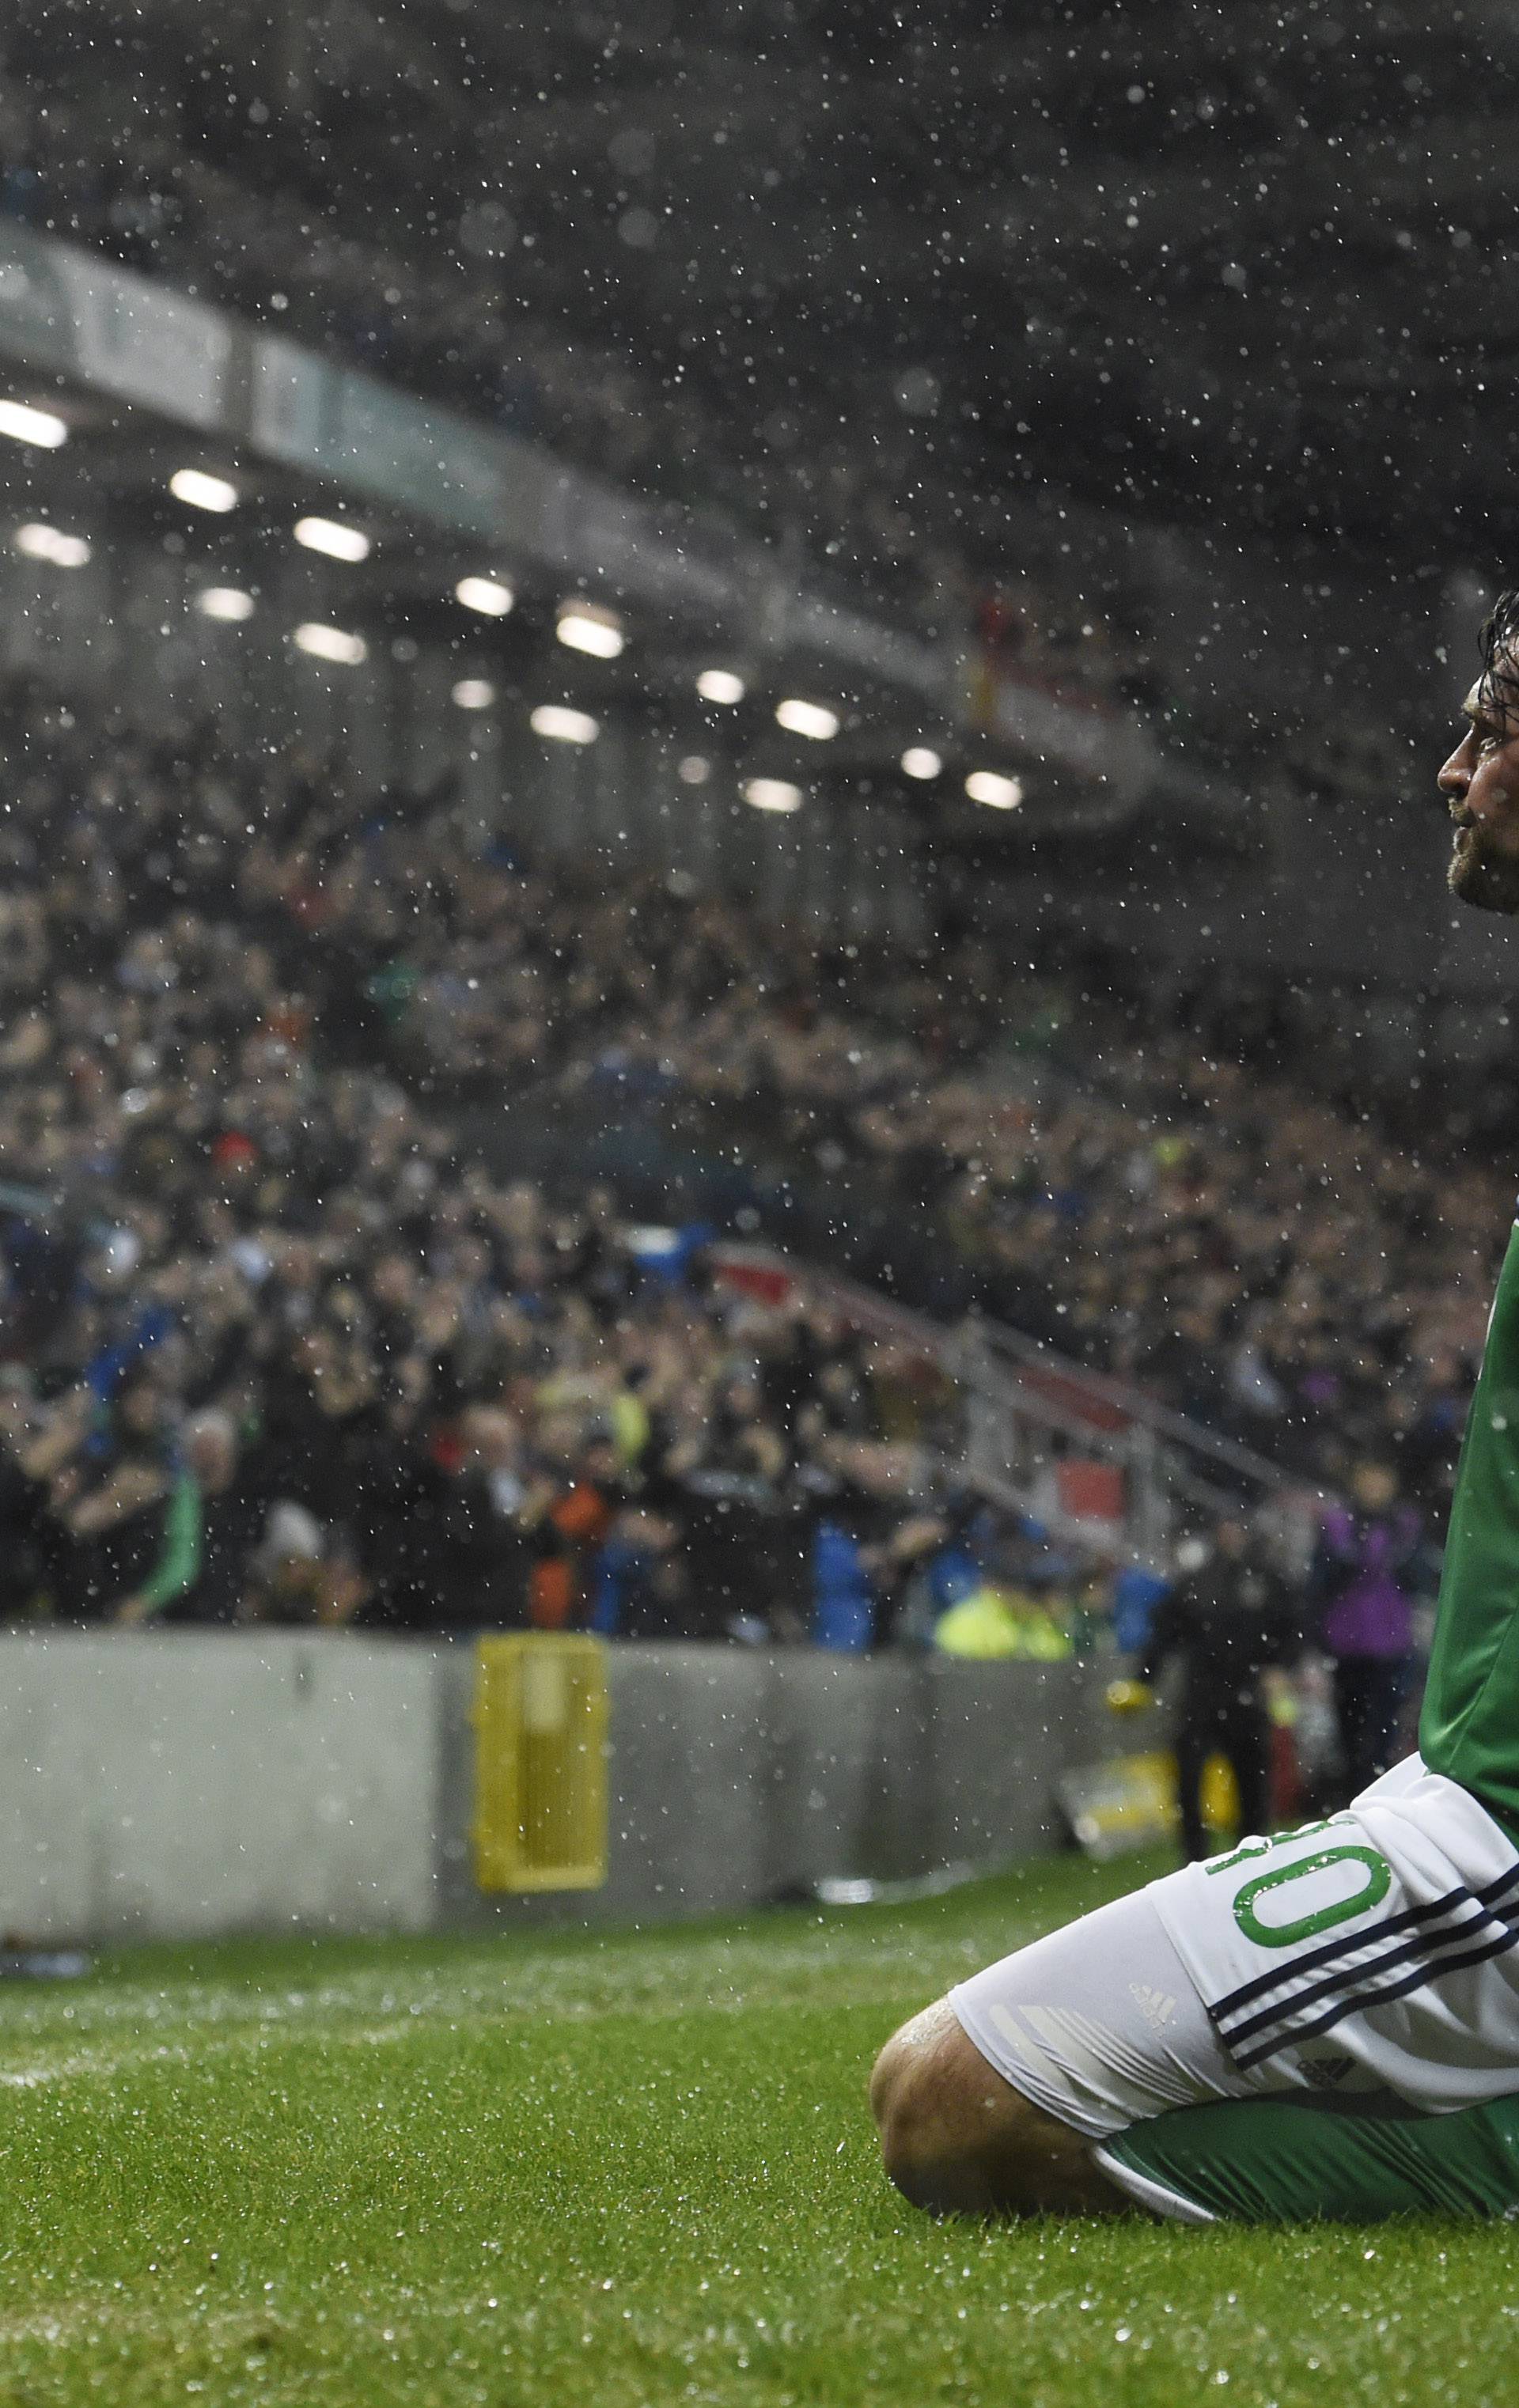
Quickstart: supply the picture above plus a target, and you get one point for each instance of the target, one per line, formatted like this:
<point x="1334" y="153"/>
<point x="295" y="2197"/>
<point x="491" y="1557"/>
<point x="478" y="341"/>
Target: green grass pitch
<point x="628" y="2171"/>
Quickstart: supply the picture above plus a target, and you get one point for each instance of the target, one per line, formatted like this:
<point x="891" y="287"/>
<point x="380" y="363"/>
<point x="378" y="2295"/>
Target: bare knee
<point x="910" y="2085"/>
<point x="939" y="2114"/>
<point x="958" y="2140"/>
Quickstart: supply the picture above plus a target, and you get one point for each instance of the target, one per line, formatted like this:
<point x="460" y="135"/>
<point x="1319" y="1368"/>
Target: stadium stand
<point x="302" y="1324"/>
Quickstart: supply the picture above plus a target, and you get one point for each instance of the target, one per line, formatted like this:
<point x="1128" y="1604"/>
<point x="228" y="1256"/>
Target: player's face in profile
<point x="1481" y="786"/>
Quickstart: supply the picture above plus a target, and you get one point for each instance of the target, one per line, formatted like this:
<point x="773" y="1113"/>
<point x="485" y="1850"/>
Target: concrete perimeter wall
<point x="164" y="1784"/>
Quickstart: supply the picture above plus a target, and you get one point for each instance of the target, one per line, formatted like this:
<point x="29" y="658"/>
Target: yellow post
<point x="540" y="1762"/>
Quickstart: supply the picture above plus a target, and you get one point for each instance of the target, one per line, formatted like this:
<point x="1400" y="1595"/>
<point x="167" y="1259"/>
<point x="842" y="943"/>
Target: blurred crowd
<point x="290" y="1332"/>
<point x="399" y="1394"/>
<point x="277" y="1344"/>
<point x="1193" y="1208"/>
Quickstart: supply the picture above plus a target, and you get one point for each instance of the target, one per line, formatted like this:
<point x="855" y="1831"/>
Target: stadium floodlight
<point x="473" y="693"/>
<point x="721" y="685"/>
<point x="585" y="627"/>
<point x="773" y="794"/>
<point x="807" y="719"/>
<point x="40" y="541"/>
<point x="203" y="492"/>
<point x="922" y="761"/>
<point x="334" y="537"/>
<point x="564" y="725"/>
<point x="486" y="594"/>
<point x="24" y="425"/>
<point x="998" y="793"/>
<point x="225" y="602"/>
<point x="331" y="644"/>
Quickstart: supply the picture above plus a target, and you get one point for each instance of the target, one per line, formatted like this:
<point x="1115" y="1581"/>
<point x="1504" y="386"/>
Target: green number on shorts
<point x="1324" y="1918"/>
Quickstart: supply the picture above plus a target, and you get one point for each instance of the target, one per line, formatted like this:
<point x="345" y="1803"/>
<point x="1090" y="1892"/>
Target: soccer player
<point x="1326" y="2023"/>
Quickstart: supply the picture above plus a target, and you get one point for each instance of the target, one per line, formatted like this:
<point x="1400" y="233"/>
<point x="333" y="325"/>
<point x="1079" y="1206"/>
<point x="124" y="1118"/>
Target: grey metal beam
<point x="72" y="320"/>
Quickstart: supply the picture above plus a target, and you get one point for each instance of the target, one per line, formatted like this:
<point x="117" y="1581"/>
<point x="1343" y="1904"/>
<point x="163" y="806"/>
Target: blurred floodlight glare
<point x="331" y="644"/>
<point x="921" y="761"/>
<point x="473" y="693"/>
<point x="807" y="719"/>
<point x="26" y="425"/>
<point x="485" y="594"/>
<point x="225" y="602"/>
<point x="720" y="685"/>
<point x="340" y="542"/>
<point x="203" y="491"/>
<point x="773" y="794"/>
<point x="564" y="725"/>
<point x="587" y="629"/>
<point x="40" y="541"/>
<point x="998" y="794"/>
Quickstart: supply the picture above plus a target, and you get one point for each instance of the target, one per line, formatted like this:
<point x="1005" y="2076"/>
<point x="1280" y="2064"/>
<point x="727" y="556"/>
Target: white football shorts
<point x="1372" y="1956"/>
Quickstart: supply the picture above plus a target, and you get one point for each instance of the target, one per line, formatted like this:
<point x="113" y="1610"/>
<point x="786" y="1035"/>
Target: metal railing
<point x="1028" y="1409"/>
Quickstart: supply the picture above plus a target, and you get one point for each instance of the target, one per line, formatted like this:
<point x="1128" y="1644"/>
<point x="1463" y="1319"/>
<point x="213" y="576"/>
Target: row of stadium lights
<point x="583" y="626"/>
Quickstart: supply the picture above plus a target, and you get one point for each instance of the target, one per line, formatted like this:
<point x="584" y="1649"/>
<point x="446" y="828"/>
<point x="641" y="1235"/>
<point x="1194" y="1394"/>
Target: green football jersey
<point x="1470" y="1727"/>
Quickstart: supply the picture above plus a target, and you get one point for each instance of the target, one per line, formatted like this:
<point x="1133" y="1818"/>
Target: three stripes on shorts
<point x="1323" y="1985"/>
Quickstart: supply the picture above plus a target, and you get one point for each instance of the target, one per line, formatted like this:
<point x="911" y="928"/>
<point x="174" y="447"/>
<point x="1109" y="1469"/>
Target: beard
<point x="1489" y="880"/>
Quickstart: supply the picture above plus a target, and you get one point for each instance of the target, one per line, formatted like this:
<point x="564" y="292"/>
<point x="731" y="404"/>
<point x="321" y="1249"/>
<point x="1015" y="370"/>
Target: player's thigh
<point x="1098" y="2024"/>
<point x="1375" y="1951"/>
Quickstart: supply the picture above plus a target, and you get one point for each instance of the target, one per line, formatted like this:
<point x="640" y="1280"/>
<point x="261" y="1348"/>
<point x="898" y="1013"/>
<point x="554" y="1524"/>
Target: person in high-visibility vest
<point x="994" y="1621"/>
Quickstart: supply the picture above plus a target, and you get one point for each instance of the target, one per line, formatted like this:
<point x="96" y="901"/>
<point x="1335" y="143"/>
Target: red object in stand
<point x="1090" y="1491"/>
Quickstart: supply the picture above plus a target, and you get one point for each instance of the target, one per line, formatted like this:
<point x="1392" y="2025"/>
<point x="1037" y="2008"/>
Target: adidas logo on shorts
<point x="1156" y="2008"/>
<point x="1325" y="2072"/>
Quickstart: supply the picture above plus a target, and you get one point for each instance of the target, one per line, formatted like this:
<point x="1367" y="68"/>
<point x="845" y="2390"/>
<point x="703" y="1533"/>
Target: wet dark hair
<point x="1499" y="685"/>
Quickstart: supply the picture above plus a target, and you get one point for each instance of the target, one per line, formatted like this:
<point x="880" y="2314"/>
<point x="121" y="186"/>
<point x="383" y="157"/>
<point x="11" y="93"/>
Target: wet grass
<point x="626" y="2171"/>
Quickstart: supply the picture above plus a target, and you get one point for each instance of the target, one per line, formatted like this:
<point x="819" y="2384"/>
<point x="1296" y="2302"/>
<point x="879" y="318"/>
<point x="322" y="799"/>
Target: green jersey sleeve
<point x="1470" y="1727"/>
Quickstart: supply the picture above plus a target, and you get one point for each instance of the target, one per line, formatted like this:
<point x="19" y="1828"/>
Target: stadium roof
<point x="1233" y="262"/>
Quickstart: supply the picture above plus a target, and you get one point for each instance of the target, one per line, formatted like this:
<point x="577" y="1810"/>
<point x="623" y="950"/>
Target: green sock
<point x="1291" y="2160"/>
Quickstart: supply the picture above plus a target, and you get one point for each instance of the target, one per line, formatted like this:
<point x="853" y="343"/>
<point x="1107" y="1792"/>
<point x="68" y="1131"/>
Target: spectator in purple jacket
<point x="1367" y="1624"/>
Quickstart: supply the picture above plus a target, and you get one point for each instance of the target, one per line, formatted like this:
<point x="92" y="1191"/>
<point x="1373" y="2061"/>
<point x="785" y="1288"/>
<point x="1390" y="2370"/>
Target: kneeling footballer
<point x="1325" y="2023"/>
